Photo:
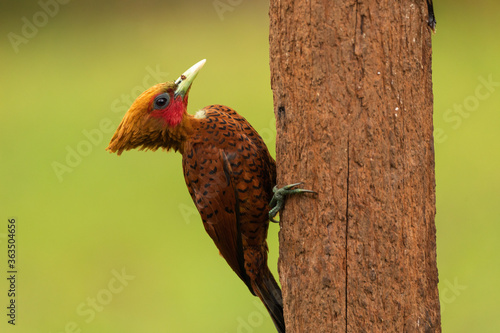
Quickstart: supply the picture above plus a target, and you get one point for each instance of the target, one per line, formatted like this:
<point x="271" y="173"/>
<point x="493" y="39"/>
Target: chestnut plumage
<point x="228" y="171"/>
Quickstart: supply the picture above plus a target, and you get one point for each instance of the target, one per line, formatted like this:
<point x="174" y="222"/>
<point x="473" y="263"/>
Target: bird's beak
<point x="185" y="80"/>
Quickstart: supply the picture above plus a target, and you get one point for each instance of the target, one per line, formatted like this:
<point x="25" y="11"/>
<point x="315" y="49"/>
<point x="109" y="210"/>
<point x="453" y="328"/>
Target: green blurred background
<point x="67" y="86"/>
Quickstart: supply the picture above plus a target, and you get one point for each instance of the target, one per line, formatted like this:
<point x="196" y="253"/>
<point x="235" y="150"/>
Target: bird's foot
<point x="279" y="198"/>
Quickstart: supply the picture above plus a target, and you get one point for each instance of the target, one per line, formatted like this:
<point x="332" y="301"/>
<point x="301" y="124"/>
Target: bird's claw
<point x="279" y="198"/>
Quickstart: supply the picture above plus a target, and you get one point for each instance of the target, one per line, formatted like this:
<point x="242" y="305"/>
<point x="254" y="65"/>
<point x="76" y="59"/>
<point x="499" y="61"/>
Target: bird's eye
<point x="161" y="101"/>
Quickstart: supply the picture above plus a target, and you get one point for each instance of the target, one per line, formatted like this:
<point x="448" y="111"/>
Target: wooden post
<point x="353" y="99"/>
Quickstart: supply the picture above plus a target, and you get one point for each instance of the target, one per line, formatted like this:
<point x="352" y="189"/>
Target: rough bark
<point x="353" y="102"/>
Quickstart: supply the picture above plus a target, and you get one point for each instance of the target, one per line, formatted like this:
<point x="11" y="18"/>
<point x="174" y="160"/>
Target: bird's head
<point x="158" y="117"/>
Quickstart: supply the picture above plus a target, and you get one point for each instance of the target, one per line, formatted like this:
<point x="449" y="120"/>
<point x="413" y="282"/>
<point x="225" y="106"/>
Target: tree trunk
<point x="353" y="103"/>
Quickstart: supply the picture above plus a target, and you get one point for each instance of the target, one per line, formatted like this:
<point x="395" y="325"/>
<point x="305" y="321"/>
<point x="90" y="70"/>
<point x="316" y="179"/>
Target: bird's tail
<point x="270" y="294"/>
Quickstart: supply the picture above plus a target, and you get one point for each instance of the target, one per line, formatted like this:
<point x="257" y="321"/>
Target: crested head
<point x="157" y="118"/>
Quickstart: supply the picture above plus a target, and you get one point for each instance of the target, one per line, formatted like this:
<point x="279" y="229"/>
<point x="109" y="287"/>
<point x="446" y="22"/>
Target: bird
<point x="431" y="18"/>
<point x="228" y="170"/>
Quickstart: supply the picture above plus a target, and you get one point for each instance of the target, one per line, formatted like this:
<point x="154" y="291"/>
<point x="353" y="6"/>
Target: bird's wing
<point x="210" y="182"/>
